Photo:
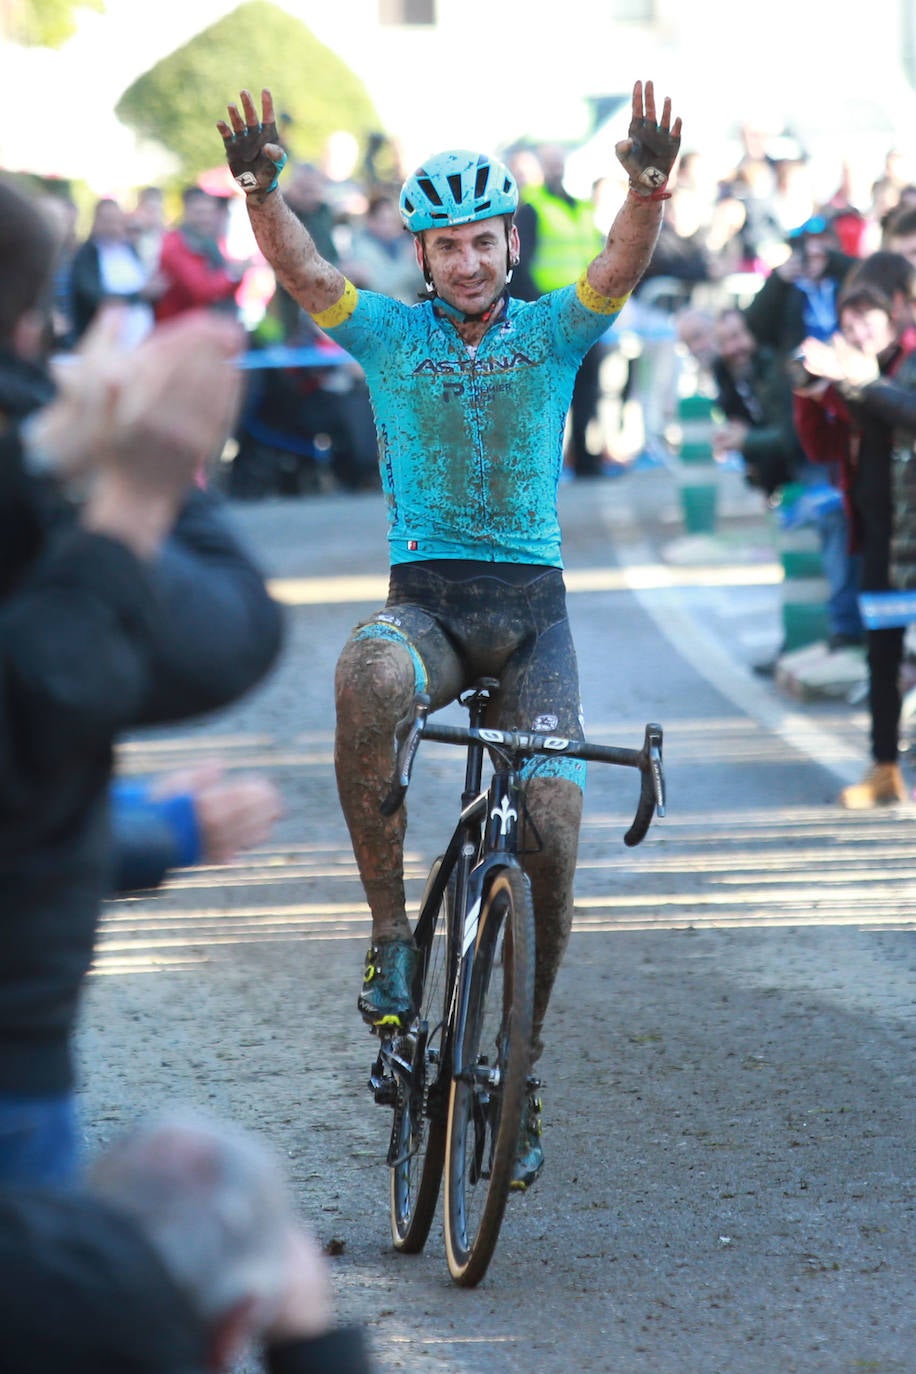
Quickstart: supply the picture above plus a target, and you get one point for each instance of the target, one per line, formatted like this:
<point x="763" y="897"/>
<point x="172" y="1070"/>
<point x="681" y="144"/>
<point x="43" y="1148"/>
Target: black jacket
<point x="86" y="290"/>
<point x="891" y="401"/>
<point x="763" y="400"/>
<point x="92" y="644"/>
<point x="776" y="315"/>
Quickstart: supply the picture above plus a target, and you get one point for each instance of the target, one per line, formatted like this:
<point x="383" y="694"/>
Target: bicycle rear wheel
<point x="487" y="1100"/>
<point x="417" y="1148"/>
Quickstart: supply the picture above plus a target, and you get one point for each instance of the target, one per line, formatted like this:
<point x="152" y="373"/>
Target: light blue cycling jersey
<point x="471" y="441"/>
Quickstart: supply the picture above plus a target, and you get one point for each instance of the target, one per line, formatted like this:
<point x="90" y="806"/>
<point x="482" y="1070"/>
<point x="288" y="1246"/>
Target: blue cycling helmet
<point x="457" y="187"/>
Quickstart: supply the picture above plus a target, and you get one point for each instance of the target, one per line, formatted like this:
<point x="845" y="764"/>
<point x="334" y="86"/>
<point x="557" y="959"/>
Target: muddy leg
<point x="555" y="805"/>
<point x="374" y="687"/>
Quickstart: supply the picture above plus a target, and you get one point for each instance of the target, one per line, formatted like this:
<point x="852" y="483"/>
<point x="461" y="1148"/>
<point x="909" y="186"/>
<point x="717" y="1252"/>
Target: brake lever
<point x="656" y="770"/>
<point x="407" y="735"/>
<point x="651" y="789"/>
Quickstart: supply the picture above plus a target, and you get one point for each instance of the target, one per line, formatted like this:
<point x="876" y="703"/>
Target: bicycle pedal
<point x="384" y="1090"/>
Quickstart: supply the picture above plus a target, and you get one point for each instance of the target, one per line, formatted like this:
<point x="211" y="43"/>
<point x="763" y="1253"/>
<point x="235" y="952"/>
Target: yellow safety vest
<point x="567" y="238"/>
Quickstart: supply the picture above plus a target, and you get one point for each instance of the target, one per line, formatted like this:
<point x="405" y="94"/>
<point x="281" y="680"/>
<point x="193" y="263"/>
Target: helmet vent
<point x="456" y="187"/>
<point x="427" y="186"/>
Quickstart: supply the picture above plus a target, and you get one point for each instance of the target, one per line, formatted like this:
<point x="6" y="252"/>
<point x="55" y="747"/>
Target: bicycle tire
<point x="418" y="1132"/>
<point x="487" y="1101"/>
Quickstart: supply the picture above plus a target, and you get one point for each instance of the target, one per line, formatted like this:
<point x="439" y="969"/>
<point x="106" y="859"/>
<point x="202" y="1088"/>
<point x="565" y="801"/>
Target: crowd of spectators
<point x="306" y="421"/>
<point x="812" y="378"/>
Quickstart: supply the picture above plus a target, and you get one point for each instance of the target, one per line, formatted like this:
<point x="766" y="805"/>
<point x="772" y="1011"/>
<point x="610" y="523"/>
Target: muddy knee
<point x="374" y="683"/>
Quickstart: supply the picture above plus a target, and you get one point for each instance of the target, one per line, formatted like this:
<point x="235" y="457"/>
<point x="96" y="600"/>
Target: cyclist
<point x="470" y="391"/>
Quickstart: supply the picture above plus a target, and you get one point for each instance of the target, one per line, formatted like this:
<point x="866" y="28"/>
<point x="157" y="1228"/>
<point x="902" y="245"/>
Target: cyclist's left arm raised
<point x="256" y="159"/>
<point x="647" y="155"/>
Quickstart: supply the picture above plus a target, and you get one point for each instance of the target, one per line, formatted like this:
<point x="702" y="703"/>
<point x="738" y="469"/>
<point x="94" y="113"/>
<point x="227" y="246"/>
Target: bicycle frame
<point x="485" y="837"/>
<point x="488" y="823"/>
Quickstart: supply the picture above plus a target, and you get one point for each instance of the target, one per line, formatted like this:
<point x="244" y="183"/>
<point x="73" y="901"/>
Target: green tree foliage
<point x="179" y="100"/>
<point x="43" y="23"/>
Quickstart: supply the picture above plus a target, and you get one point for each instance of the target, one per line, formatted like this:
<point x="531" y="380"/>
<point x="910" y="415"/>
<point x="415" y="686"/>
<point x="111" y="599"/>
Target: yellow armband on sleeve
<point x="341" y="310"/>
<point x="593" y="300"/>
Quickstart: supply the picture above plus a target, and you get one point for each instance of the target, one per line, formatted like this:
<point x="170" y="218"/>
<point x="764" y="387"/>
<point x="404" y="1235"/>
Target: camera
<point x="798" y="375"/>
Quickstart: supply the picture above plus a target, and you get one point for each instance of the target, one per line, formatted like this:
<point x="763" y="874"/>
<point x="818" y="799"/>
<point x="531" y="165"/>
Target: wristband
<point x="279" y="166"/>
<point x="658" y="194"/>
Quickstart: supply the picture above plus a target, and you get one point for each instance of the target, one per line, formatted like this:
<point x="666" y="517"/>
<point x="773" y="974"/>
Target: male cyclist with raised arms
<point x="470" y="391"/>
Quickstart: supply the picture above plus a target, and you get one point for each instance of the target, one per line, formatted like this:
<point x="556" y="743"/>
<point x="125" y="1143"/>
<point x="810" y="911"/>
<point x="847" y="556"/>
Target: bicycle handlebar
<point x="519" y="744"/>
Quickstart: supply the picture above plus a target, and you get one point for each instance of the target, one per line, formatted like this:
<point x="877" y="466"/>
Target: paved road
<point x="729" y="1079"/>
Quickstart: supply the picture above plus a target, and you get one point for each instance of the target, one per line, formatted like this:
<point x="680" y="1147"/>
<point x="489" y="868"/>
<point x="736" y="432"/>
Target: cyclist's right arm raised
<point x="256" y="160"/>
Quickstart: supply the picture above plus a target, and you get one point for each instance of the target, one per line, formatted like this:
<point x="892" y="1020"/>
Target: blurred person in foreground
<point x="856" y="405"/>
<point x="471" y="390"/>
<point x="181" y="1255"/>
<point x="124" y="600"/>
<point x="199" y="815"/>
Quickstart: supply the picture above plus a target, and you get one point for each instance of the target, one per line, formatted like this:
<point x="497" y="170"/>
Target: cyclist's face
<point x="468" y="262"/>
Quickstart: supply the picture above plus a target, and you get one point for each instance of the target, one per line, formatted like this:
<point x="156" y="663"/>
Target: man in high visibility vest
<point x="559" y="237"/>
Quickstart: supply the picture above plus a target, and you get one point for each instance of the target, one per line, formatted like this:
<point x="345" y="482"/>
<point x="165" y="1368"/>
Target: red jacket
<point x="830" y="433"/>
<point x="193" y="281"/>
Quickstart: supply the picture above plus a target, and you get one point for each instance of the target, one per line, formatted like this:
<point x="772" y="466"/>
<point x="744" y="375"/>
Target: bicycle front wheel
<point x="487" y="1097"/>
<point x="417" y="1150"/>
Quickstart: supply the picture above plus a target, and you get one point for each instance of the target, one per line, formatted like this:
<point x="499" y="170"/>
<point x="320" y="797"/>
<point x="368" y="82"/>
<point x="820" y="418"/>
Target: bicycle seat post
<point x="476" y="700"/>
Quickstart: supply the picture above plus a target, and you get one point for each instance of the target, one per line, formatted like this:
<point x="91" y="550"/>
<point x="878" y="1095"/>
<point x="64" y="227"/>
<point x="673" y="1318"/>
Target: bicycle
<point x="458" y="1076"/>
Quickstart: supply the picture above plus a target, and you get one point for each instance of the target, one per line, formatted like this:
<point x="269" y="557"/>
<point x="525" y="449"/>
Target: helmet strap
<point x="484" y="316"/>
<point x="510" y="265"/>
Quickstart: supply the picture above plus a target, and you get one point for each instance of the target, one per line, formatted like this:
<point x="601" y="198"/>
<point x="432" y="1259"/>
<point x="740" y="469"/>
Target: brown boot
<point x="882" y="785"/>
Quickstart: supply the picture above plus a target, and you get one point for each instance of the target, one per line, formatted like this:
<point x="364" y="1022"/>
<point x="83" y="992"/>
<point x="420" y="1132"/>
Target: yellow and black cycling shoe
<point x="386" y="997"/>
